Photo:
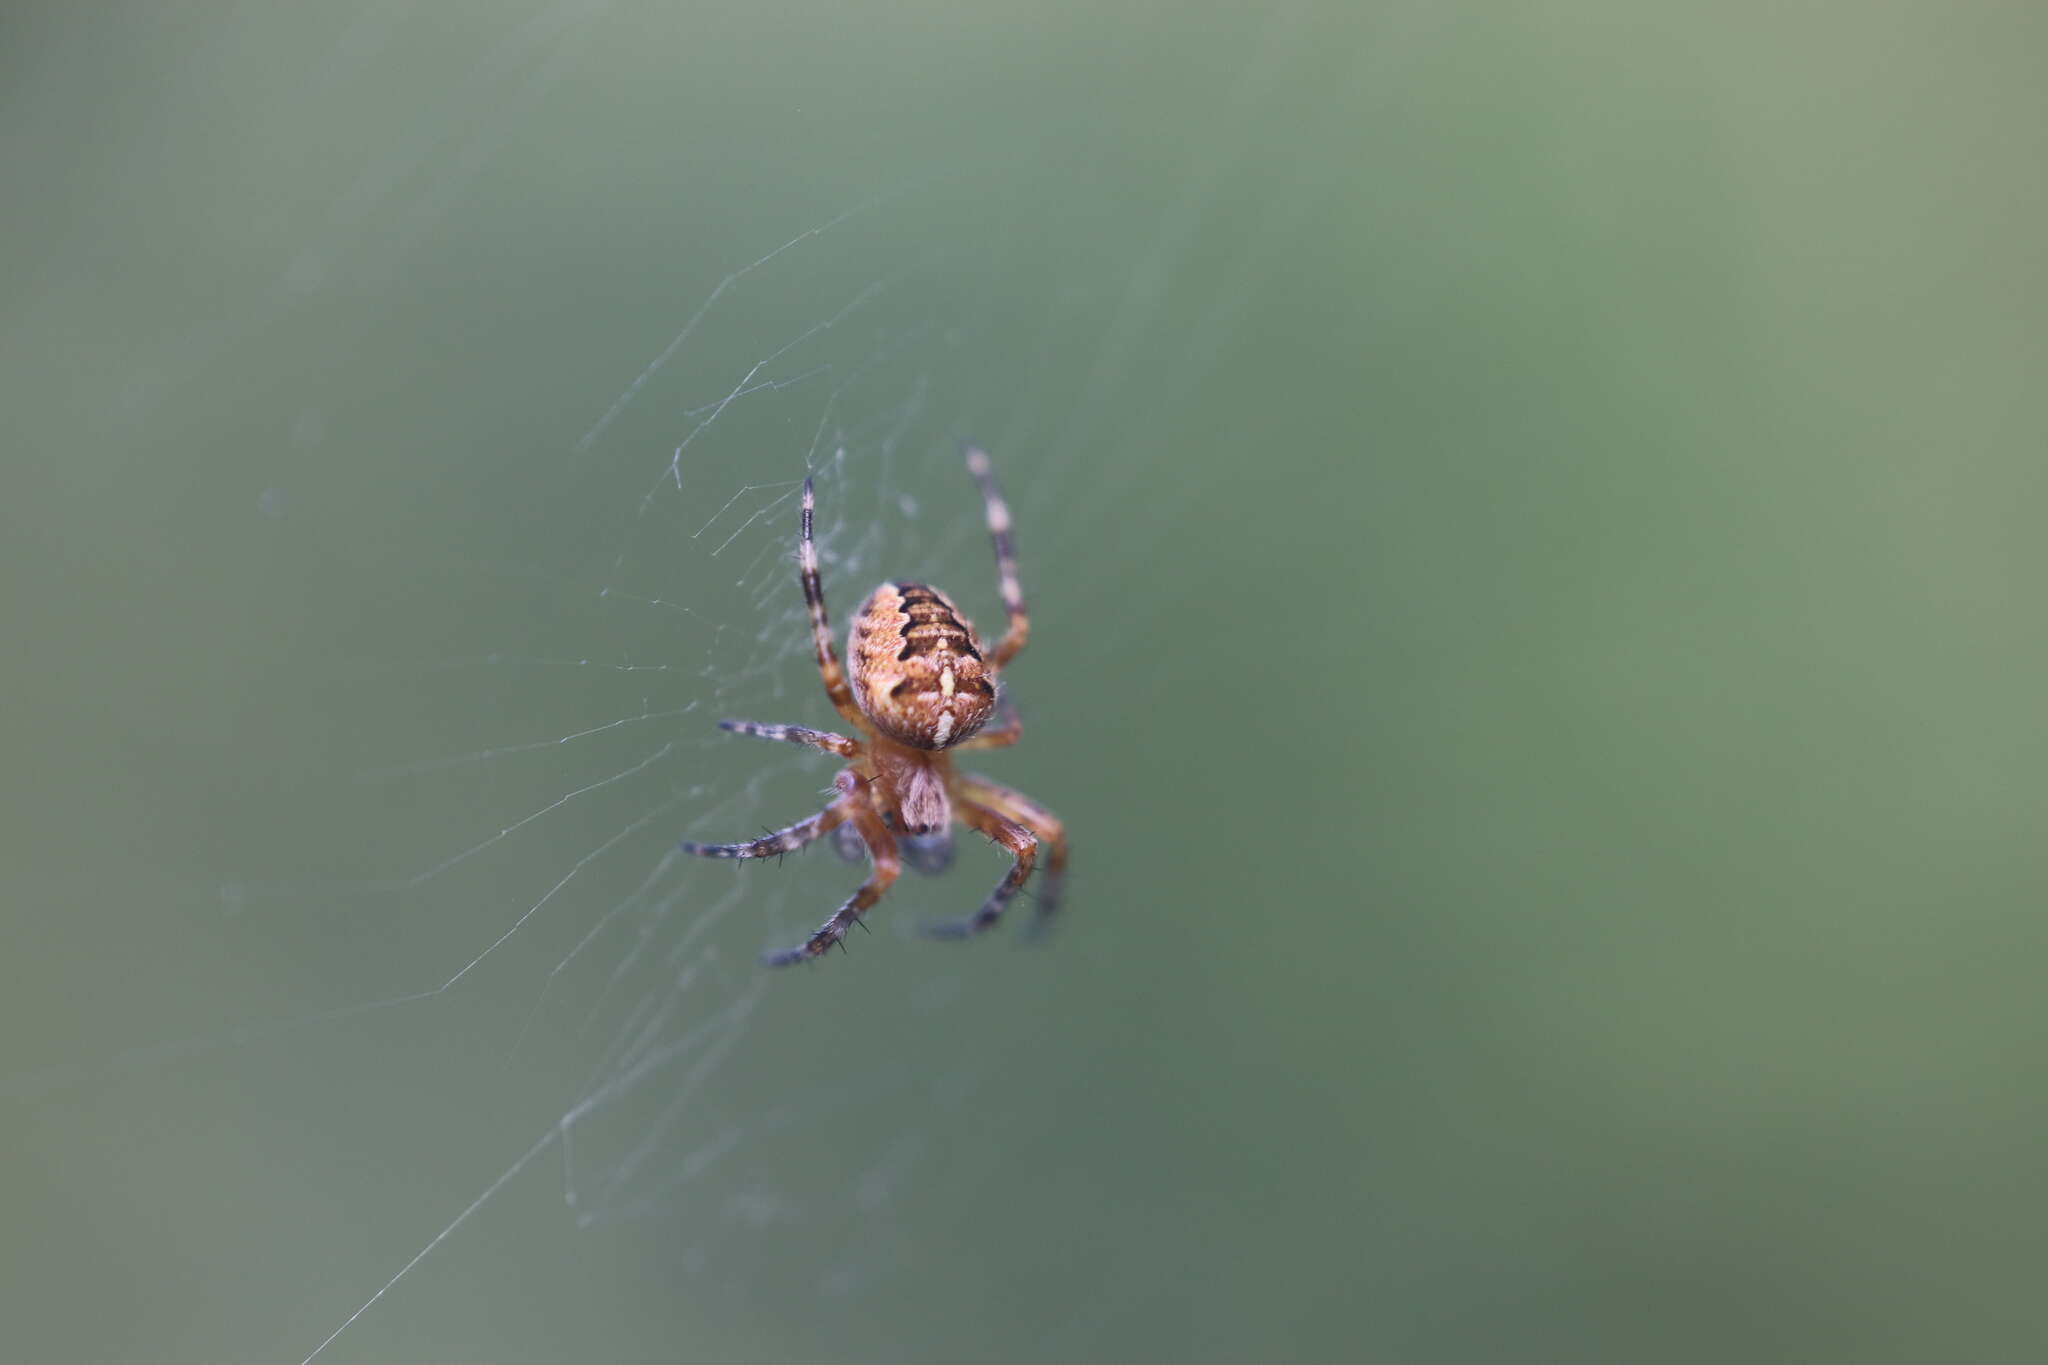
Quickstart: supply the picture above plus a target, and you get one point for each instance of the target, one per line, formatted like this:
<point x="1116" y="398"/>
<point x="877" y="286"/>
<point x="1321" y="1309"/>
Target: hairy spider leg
<point x="1006" y="558"/>
<point x="785" y="840"/>
<point x="829" y="669"/>
<point x="1010" y="802"/>
<point x="883" y="872"/>
<point x="1023" y="845"/>
<point x="795" y="734"/>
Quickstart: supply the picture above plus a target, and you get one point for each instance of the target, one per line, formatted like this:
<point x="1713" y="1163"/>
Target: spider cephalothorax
<point x="922" y="687"/>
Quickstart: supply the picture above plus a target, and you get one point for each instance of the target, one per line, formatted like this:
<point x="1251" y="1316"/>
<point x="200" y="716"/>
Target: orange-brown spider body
<point x="922" y="686"/>
<point x="917" y="667"/>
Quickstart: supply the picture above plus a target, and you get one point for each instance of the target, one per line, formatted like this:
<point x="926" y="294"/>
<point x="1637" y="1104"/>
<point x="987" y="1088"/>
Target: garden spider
<point x="921" y="688"/>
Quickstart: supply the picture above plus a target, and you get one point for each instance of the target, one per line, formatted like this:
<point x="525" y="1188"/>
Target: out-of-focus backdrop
<point x="1532" y="516"/>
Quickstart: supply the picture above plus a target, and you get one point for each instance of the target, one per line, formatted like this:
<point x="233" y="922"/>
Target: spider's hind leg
<point x="830" y="671"/>
<point x="1019" y="629"/>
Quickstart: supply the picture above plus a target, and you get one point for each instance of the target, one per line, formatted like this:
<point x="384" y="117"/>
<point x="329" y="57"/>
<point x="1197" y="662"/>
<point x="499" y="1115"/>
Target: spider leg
<point x="788" y="839"/>
<point x="793" y="837"/>
<point x="1021" y="842"/>
<point x="884" y="870"/>
<point x="829" y="669"/>
<point x="1006" y="559"/>
<point x="1010" y="802"/>
<point x="795" y="734"/>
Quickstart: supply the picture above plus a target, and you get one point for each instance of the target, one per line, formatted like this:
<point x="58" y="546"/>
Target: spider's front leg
<point x="1040" y="821"/>
<point x="791" y="837"/>
<point x="788" y="839"/>
<point x="886" y="866"/>
<point x="1023" y="845"/>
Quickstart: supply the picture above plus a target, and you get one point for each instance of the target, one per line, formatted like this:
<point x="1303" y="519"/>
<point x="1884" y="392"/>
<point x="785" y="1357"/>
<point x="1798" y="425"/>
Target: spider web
<point x="609" y="964"/>
<point x="1599" y="889"/>
<point x="511" y="929"/>
<point x="503" y="1020"/>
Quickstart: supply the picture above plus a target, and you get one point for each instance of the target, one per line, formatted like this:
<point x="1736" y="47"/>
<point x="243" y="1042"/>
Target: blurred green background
<point x="1532" y="521"/>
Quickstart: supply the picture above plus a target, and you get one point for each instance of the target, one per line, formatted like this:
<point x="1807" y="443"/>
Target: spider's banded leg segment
<point x="786" y="840"/>
<point x="1006" y="559"/>
<point x="829" y="668"/>
<point x="1010" y="802"/>
<point x="1002" y="737"/>
<point x="795" y="734"/>
<point x="1011" y="835"/>
<point x="881" y="852"/>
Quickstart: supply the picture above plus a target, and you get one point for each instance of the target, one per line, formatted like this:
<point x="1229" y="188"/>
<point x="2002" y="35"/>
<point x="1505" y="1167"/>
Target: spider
<point x="922" y="687"/>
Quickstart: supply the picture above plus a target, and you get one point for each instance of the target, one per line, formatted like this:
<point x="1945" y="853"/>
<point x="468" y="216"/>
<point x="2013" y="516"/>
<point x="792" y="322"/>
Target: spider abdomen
<point x="918" y="672"/>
